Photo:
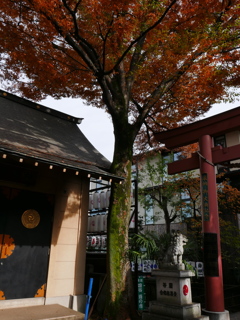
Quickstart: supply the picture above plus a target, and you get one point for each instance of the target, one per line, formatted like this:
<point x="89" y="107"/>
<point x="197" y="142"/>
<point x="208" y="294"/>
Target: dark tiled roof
<point x="32" y="130"/>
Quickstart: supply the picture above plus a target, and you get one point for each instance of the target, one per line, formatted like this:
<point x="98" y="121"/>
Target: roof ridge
<point x="40" y="107"/>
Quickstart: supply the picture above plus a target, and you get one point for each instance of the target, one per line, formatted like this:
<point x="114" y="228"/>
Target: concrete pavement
<point x="235" y="316"/>
<point x="43" y="312"/>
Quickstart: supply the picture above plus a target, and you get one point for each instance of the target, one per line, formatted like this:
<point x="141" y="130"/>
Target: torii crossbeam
<point x="208" y="156"/>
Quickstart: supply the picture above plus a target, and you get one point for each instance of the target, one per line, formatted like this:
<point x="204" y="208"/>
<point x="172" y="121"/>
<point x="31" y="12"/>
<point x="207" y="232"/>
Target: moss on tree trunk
<point x="120" y="302"/>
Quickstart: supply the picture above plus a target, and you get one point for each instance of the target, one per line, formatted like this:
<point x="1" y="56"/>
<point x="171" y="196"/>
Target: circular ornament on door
<point x="30" y="218"/>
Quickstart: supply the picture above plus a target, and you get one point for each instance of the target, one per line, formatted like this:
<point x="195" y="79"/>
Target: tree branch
<point x="135" y="61"/>
<point x="143" y="35"/>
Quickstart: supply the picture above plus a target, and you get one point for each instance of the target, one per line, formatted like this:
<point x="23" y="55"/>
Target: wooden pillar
<point x="212" y="251"/>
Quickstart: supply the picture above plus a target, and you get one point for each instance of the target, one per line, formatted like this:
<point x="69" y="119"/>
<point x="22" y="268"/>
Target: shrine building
<point x="45" y="166"/>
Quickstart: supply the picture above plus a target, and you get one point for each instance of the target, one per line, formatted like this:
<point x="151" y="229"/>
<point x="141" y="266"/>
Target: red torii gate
<point x="208" y="156"/>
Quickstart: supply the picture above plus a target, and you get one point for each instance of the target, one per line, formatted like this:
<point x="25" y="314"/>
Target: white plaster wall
<point x="68" y="246"/>
<point x="232" y="138"/>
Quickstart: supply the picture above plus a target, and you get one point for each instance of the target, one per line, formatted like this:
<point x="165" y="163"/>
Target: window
<point x="220" y="141"/>
<point x="177" y="156"/>
<point x="187" y="208"/>
<point x="134" y="172"/>
<point x="149" y="212"/>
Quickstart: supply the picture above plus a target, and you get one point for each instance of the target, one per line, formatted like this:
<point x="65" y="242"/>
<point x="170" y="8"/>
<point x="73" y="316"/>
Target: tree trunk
<point x="167" y="221"/>
<point x="120" y="303"/>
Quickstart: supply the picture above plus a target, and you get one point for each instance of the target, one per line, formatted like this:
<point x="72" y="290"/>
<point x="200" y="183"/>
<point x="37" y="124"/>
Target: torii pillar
<point x="203" y="132"/>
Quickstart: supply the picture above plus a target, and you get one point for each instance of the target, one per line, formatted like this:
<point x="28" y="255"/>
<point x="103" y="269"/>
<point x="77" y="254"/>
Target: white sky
<point x="97" y="125"/>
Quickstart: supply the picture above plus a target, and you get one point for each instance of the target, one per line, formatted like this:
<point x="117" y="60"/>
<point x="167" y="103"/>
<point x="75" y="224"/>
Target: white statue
<point x="175" y="251"/>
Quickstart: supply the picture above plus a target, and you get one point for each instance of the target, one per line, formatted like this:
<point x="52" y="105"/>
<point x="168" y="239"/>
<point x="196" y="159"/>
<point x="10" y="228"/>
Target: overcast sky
<point x="97" y="125"/>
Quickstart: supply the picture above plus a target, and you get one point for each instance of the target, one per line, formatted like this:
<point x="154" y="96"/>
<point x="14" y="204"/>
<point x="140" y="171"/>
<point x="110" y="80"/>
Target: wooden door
<point x="25" y="235"/>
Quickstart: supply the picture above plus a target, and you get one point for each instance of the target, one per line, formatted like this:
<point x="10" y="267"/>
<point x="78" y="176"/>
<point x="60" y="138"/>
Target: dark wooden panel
<point x="25" y="270"/>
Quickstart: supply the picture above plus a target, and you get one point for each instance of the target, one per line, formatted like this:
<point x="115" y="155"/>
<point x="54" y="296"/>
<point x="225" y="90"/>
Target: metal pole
<point x="88" y="298"/>
<point x="136" y="232"/>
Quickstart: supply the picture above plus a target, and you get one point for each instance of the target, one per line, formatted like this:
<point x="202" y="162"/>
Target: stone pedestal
<point x="217" y="315"/>
<point x="174" y="297"/>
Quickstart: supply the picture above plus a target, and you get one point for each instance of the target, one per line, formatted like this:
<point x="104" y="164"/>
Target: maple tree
<point x="228" y="207"/>
<point x="150" y="64"/>
<point x="228" y="198"/>
<point x="189" y="183"/>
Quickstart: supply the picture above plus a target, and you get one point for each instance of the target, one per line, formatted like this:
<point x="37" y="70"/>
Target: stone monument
<point x="173" y="283"/>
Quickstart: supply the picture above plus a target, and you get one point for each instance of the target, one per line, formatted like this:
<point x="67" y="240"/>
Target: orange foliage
<point x="163" y="62"/>
<point x="187" y="151"/>
<point x="228" y="198"/>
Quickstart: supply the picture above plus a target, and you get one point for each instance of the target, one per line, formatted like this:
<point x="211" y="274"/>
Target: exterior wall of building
<point x="66" y="271"/>
<point x="68" y="247"/>
<point x="160" y="227"/>
<point x="230" y="139"/>
<point x="155" y="215"/>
